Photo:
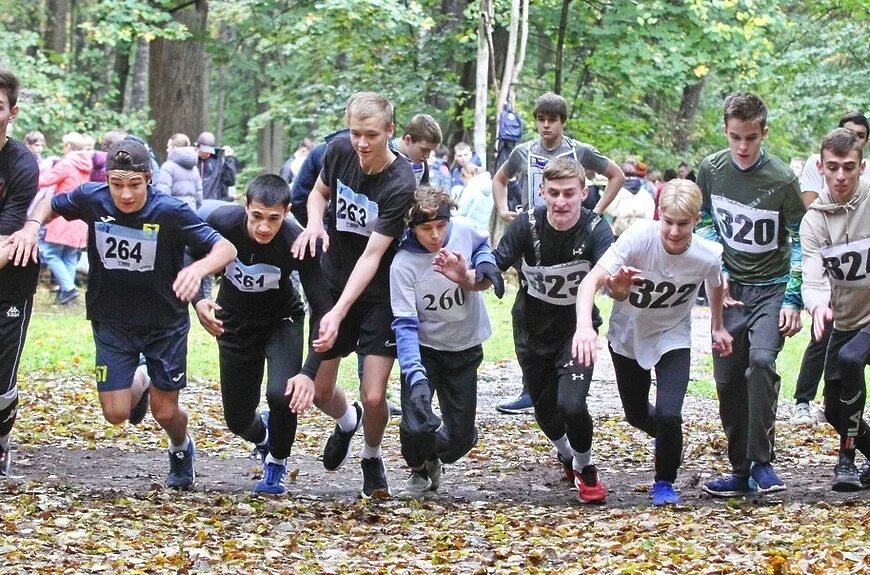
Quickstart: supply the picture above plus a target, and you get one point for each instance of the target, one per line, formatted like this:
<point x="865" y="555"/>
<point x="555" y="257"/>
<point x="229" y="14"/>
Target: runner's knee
<point x="762" y="360"/>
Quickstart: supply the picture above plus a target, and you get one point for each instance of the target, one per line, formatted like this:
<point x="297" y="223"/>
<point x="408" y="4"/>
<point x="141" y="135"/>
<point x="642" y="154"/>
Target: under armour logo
<point x="569" y="364"/>
<point x="576" y="376"/>
<point x="107" y="219"/>
<point x="13" y="312"/>
<point x="577" y="251"/>
<point x="178" y="377"/>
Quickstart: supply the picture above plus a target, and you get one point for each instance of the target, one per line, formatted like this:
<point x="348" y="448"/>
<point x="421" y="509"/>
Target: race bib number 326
<point x="123" y="248"/>
<point x="848" y="265"/>
<point x="744" y="228"/>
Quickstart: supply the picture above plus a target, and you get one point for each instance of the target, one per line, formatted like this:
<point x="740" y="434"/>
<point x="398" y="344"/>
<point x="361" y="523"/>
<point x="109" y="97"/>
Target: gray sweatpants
<point x="746" y="381"/>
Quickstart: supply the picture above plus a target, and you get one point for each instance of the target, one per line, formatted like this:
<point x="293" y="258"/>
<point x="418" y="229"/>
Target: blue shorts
<point x="118" y="355"/>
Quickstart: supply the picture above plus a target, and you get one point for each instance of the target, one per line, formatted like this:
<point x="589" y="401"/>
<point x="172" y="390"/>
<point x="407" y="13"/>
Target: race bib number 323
<point x="123" y="248"/>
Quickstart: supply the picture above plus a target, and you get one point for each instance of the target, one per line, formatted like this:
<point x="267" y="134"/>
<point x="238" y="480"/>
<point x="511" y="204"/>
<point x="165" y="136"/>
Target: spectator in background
<point x="797" y="166"/>
<point x="439" y="169"/>
<point x="218" y="168"/>
<point x="178" y="175"/>
<point x="632" y="203"/>
<point x="294" y="163"/>
<point x="670" y="174"/>
<point x="98" y="170"/>
<point x="475" y="199"/>
<point x="64" y="239"/>
<point x="462" y="154"/>
<point x="35" y="142"/>
<point x="685" y="173"/>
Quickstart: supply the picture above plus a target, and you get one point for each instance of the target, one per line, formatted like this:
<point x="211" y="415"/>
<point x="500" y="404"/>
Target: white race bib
<point x="848" y="265"/>
<point x="354" y="212"/>
<point x="123" y="248"/>
<point x="558" y="284"/>
<point x="439" y="299"/>
<point x="255" y="278"/>
<point x="665" y="296"/>
<point x="535" y="176"/>
<point x="746" y="229"/>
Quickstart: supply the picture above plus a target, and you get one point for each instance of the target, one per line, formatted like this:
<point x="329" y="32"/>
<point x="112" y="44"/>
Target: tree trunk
<point x="508" y="76"/>
<point x="55" y="25"/>
<point x="121" y="72"/>
<point x="560" y="46"/>
<point x="686" y="115"/>
<point x="482" y="79"/>
<point x="178" y="79"/>
<point x="139" y="90"/>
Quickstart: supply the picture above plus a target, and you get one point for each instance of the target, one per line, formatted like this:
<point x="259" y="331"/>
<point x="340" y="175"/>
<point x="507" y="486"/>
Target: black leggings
<point x="664" y="421"/>
<point x="243" y="353"/>
<point x="14" y="319"/>
<point x="845" y="388"/>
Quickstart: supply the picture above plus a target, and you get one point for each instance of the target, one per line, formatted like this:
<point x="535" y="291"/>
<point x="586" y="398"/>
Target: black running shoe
<point x="374" y="479"/>
<point x="5" y="461"/>
<point x="181" y="472"/>
<point x="846" y="476"/>
<point x="337" y="449"/>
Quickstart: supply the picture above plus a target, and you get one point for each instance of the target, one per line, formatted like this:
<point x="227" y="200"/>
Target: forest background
<point x="642" y="77"/>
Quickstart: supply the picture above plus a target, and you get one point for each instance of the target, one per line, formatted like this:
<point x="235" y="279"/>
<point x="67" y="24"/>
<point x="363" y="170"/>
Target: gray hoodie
<point x="179" y="177"/>
<point x="843" y="282"/>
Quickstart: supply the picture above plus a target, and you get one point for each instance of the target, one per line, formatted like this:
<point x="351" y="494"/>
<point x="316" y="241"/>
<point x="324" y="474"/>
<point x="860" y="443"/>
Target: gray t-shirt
<point x="528" y="160"/>
<point x="451" y="319"/>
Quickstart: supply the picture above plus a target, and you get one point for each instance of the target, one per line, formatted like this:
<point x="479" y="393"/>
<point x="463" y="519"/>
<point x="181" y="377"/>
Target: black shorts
<point x="119" y="346"/>
<point x="366" y="329"/>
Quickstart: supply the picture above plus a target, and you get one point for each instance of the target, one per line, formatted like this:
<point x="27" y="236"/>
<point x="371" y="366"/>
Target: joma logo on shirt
<point x="150" y="227"/>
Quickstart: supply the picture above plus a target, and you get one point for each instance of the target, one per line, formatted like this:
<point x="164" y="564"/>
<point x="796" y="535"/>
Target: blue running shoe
<point x="522" y="405"/>
<point x="273" y="479"/>
<point x="663" y="493"/>
<point x="261" y="451"/>
<point x="181" y="471"/>
<point x="727" y="486"/>
<point x="764" y="479"/>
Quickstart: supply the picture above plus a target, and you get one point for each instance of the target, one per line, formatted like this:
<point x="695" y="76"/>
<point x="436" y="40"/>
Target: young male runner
<point x="835" y="235"/>
<point x="527" y="162"/>
<point x="752" y="205"/>
<point x="369" y="194"/>
<point x="556" y="245"/>
<point x="258" y="318"/>
<point x="440" y="325"/>
<point x="137" y="290"/>
<point x="422" y="135"/>
<point x="813" y="363"/>
<point x="654" y="272"/>
<point x="19" y="177"/>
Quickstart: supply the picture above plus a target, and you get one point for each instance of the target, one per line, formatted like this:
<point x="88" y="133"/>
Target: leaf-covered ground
<point x="87" y="497"/>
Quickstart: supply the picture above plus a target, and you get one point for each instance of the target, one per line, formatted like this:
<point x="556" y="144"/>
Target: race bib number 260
<point x="123" y="248"/>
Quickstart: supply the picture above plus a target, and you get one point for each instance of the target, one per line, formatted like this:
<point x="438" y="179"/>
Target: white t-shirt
<point x="656" y="317"/>
<point x="812" y="179"/>
<point x="451" y="318"/>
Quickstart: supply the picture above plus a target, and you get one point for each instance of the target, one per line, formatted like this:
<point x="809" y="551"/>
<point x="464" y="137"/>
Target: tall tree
<point x="177" y="77"/>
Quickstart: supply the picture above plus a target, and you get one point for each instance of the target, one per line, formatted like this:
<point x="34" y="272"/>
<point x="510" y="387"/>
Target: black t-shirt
<point x="359" y="205"/>
<point x="19" y="178"/>
<point x="256" y="286"/>
<point x="546" y="322"/>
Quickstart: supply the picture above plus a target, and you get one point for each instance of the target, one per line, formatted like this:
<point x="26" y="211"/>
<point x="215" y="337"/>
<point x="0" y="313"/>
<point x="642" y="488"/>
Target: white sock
<point x="563" y="447"/>
<point x="176" y="448"/>
<point x="347" y="422"/>
<point x="270" y="459"/>
<point x="368" y="451"/>
<point x="581" y="460"/>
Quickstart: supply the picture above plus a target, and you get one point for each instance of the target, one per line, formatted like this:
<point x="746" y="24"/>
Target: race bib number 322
<point x="744" y="228"/>
<point x="123" y="248"/>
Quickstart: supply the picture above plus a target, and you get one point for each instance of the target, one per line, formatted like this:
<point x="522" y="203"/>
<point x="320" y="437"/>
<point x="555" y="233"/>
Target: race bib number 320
<point x="354" y="212"/>
<point x="123" y="248"/>
<point x="746" y="229"/>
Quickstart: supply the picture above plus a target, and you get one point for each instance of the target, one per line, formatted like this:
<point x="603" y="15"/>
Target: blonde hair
<point x="563" y="168"/>
<point x="365" y="105"/>
<point x="180" y="140"/>
<point x="75" y="141"/>
<point x="683" y="196"/>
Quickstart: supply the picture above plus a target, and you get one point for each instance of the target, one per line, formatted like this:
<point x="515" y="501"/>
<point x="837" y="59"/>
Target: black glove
<point x="418" y="416"/>
<point x="491" y="272"/>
